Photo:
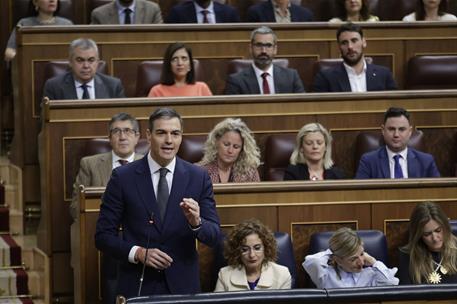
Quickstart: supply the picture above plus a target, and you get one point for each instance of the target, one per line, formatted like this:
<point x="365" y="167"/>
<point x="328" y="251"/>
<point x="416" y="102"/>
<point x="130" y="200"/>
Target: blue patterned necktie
<point x="398" y="173"/>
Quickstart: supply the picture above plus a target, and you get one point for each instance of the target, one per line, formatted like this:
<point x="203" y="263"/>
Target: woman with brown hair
<point x="353" y="11"/>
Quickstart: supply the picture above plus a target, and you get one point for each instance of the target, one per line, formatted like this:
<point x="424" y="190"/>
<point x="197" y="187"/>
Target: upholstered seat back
<point x="191" y="148"/>
<point x="149" y="73"/>
<point x="374" y="243"/>
<point x="278" y="149"/>
<point x="236" y="65"/>
<point x="432" y="72"/>
<point x="370" y="141"/>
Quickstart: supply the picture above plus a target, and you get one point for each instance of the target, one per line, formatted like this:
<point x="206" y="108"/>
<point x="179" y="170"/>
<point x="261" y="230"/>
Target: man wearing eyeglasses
<point x="83" y="81"/>
<point x="95" y="171"/>
<point x="263" y="76"/>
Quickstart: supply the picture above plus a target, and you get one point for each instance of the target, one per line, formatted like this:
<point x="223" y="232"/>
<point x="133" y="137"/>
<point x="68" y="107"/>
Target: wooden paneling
<point x="298" y="208"/>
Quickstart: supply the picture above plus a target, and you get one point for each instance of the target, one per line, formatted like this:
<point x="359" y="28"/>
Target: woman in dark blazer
<point x="312" y="156"/>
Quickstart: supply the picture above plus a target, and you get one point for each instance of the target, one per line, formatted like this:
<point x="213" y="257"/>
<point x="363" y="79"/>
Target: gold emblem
<point x="434" y="278"/>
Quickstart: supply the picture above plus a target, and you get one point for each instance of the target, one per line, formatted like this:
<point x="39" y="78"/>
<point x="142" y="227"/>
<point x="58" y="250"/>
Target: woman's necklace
<point x="435" y="277"/>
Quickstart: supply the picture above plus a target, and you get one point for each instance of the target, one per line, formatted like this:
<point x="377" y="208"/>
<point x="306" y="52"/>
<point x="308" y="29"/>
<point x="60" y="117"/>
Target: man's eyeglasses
<point x="126" y="131"/>
<point x="259" y="45"/>
<point x="246" y="250"/>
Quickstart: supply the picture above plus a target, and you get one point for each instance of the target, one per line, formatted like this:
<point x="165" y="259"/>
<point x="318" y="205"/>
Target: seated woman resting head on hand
<point x="178" y="74"/>
<point x="353" y="11"/>
<point x="250" y="251"/>
<point x="346" y="264"/>
<point x="312" y="156"/>
<point x="231" y="153"/>
<point x="430" y="257"/>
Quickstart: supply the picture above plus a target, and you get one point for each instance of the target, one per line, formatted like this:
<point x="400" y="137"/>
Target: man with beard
<point x="264" y="77"/>
<point x="354" y="74"/>
<point x="127" y="12"/>
<point x="202" y="11"/>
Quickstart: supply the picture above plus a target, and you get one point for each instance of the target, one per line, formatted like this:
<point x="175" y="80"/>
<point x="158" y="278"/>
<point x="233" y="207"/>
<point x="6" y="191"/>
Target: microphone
<point x="150" y="222"/>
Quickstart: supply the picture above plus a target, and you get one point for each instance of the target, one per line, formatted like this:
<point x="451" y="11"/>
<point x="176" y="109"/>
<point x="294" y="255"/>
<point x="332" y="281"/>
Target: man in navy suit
<point x="202" y="11"/>
<point x="396" y="159"/>
<point x="354" y="74"/>
<point x="83" y="81"/>
<point x="280" y="11"/>
<point x="163" y="204"/>
<point x="264" y="77"/>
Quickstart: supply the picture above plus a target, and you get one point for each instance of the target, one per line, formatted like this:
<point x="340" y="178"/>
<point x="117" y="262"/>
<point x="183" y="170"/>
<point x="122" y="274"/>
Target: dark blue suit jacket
<point x="186" y="13"/>
<point x="375" y="164"/>
<point x="336" y="79"/>
<point x="263" y="12"/>
<point x="245" y="82"/>
<point x="129" y="202"/>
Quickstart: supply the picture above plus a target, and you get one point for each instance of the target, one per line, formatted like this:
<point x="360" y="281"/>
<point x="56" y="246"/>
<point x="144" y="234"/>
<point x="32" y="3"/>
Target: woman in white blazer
<point x="251" y="253"/>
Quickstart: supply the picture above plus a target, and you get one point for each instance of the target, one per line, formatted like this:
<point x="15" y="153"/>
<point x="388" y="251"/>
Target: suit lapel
<point x="370" y="77"/>
<point x="100" y="89"/>
<point x="69" y="88"/>
<point x="146" y="190"/>
<point x="343" y="79"/>
<point x="384" y="161"/>
<point x="269" y="12"/>
<point x="112" y="13"/>
<point x="413" y="164"/>
<point x="251" y="80"/>
<point x="193" y="15"/>
<point x="139" y="12"/>
<point x="105" y="163"/>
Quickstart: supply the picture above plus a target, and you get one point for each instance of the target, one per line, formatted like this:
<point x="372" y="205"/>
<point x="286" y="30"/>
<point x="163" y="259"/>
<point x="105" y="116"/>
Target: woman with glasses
<point x="430" y="257"/>
<point x="346" y="264"/>
<point x="250" y="251"/>
<point x="178" y="74"/>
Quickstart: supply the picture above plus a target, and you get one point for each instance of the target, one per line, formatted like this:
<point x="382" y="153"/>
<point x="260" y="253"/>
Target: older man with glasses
<point x="263" y="76"/>
<point x="95" y="171"/>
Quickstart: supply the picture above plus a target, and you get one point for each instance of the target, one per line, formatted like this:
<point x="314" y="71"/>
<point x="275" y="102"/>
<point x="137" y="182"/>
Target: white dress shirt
<point x="325" y="276"/>
<point x="90" y="89"/>
<point x="115" y="159"/>
<point x="155" y="175"/>
<point x="403" y="160"/>
<point x="210" y="15"/>
<point x="358" y="82"/>
<point x="258" y="75"/>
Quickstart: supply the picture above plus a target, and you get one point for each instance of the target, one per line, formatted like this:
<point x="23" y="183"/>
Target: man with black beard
<point x="354" y="74"/>
<point x="264" y="77"/>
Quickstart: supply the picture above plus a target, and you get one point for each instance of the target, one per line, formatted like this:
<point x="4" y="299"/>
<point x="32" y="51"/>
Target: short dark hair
<point x="33" y="12"/>
<point x="167" y="77"/>
<point x="166" y="113"/>
<point x="420" y="9"/>
<point x="124" y="117"/>
<point x="395" y="112"/>
<point x="349" y="27"/>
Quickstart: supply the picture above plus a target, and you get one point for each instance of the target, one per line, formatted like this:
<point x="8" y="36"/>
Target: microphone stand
<point x="151" y="222"/>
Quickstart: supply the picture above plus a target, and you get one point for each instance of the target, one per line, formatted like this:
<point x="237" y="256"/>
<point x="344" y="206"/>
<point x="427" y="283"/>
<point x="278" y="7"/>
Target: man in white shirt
<point x="83" y="81"/>
<point x="395" y="159"/>
<point x="264" y="77"/>
<point x="95" y="171"/>
<point x="354" y="74"/>
<point x="127" y="12"/>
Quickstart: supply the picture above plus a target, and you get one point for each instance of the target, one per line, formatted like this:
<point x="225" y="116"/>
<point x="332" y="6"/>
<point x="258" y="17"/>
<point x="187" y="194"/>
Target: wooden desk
<point x="68" y="122"/>
<point x="389" y="43"/>
<point x="298" y="208"/>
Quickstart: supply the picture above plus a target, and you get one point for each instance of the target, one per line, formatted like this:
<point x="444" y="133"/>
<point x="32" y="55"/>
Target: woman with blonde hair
<point x="430" y="257"/>
<point x="346" y="264"/>
<point x="231" y="153"/>
<point x="312" y="155"/>
<point x="251" y="253"/>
